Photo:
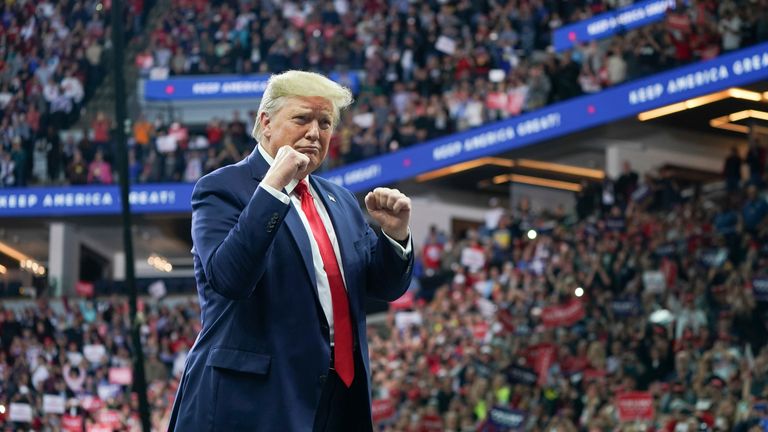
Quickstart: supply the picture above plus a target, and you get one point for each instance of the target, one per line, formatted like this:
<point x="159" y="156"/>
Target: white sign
<point x="406" y="319"/>
<point x="654" y="281"/>
<point x="53" y="404"/>
<point x="94" y="353"/>
<point x="472" y="258"/>
<point x="446" y="45"/>
<point x="20" y="412"/>
<point x="157" y="289"/>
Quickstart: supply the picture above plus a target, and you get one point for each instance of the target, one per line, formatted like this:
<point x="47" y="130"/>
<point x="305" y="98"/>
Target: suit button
<point x="321" y="379"/>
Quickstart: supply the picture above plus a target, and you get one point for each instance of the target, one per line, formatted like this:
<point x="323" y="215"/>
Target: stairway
<point x="104" y="97"/>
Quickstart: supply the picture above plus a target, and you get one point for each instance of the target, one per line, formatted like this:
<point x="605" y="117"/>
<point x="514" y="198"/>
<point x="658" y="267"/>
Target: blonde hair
<point x="294" y="83"/>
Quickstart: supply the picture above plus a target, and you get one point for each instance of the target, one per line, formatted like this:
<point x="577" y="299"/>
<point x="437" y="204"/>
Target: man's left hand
<point x="391" y="209"/>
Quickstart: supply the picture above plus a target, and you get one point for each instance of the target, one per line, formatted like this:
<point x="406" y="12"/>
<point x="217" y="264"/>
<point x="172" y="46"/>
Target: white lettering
<point x="446" y="151"/>
<point x="538" y="124"/>
<point x="362" y="174"/>
<point x="490" y="138"/>
<point x="631" y="16"/>
<point x="750" y="64"/>
<point x="601" y="26"/>
<point x="203" y="88"/>
<point x="697" y="79"/>
<point x="646" y="93"/>
<point x="244" y="87"/>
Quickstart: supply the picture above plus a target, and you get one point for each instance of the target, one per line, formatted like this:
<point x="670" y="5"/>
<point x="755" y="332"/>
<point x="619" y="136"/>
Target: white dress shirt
<point x="323" y="287"/>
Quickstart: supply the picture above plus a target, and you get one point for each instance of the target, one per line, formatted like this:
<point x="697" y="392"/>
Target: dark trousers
<point x="343" y="409"/>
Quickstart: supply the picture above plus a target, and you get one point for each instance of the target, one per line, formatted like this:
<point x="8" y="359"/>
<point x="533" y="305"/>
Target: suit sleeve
<point x="231" y="241"/>
<point x="389" y="272"/>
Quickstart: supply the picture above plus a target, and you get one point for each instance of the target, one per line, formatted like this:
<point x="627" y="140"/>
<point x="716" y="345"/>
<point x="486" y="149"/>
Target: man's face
<point x="303" y="123"/>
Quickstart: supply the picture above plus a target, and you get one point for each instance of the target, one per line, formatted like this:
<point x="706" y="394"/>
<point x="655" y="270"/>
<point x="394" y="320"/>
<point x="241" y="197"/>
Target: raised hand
<point x="289" y="164"/>
<point x="391" y="209"/>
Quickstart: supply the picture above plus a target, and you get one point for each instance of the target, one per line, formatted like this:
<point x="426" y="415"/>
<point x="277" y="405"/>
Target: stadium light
<point x="464" y="166"/>
<point x="592" y="173"/>
<point x="561" y="168"/>
<point x="736" y="93"/>
<point x="13" y="253"/>
<point x="727" y="122"/>
<point x="536" y="181"/>
<point x="159" y="263"/>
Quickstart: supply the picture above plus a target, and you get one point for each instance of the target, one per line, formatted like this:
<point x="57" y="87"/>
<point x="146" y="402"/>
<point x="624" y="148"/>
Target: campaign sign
<point x="71" y="423"/>
<point x="563" y="315"/>
<point x="53" y="404"/>
<point x="760" y="288"/>
<point x="634" y="406"/>
<point x="625" y="307"/>
<point x="84" y="289"/>
<point x="522" y="375"/>
<point x="20" y="412"/>
<point x="121" y="375"/>
<point x="382" y="411"/>
<point x="505" y="419"/>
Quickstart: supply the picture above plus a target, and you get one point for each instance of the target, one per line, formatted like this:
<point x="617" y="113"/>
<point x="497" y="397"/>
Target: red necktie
<point x="342" y="325"/>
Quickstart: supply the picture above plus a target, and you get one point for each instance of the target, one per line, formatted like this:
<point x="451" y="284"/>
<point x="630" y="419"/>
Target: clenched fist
<point x="289" y="164"/>
<point x="391" y="209"/>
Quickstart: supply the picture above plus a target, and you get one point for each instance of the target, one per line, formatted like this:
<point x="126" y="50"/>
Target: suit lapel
<point x="301" y="239"/>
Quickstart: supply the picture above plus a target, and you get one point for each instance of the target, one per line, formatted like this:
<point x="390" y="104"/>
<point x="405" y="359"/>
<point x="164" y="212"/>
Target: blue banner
<point x="211" y="87"/>
<point x="609" y="23"/>
<point x="737" y="68"/>
<point x="94" y="200"/>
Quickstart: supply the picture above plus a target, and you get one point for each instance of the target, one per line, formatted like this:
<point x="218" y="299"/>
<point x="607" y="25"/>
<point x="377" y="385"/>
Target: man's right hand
<point x="288" y="165"/>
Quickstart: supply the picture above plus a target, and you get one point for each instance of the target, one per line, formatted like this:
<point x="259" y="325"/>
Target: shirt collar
<point x="270" y="160"/>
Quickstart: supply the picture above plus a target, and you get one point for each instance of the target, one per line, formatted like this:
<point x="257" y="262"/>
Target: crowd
<point x="51" y="62"/>
<point x="536" y="321"/>
<point x="66" y="368"/>
<point x="426" y="70"/>
<point x="663" y="301"/>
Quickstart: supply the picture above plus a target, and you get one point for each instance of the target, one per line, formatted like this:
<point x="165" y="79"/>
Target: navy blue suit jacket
<point x="261" y="358"/>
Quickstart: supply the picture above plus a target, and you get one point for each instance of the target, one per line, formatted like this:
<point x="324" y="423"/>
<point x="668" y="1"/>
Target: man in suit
<point x="284" y="261"/>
